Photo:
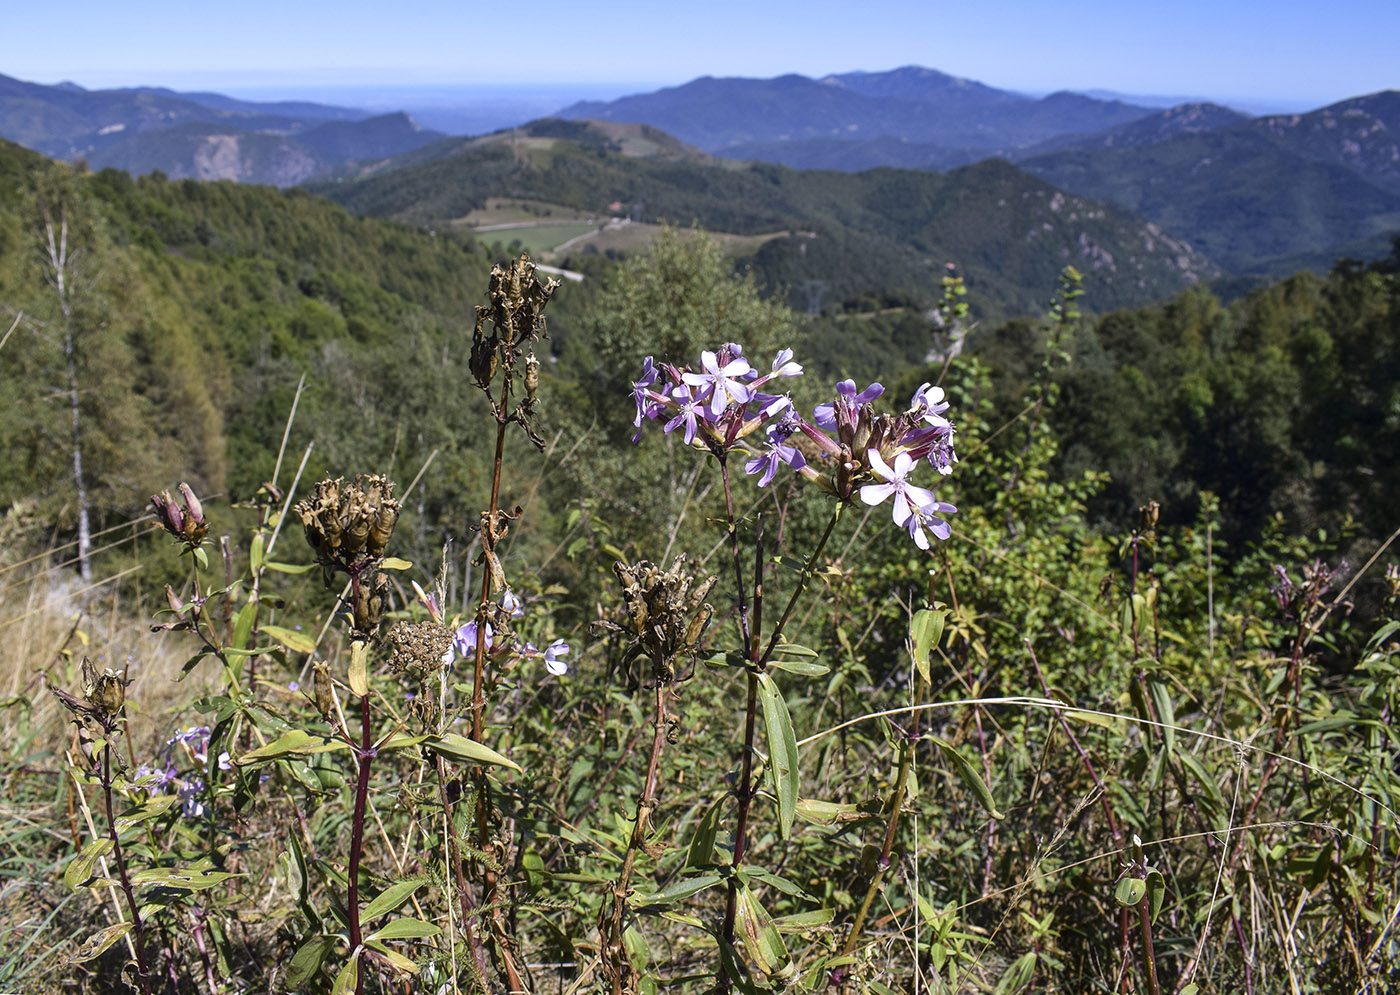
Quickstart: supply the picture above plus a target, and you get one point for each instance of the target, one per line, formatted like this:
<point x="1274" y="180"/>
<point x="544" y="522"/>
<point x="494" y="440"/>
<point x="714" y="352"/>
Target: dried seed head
<point x="348" y="524"/>
<point x="323" y="699"/>
<point x="418" y="647"/>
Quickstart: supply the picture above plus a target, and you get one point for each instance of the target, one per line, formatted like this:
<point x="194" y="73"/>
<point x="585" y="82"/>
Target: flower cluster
<point x="464" y="642"/>
<point x="723" y="405"/>
<point x="191" y="745"/>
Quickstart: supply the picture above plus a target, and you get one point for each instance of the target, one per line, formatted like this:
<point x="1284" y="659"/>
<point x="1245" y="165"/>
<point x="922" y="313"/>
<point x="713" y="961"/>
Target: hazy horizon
<point x="1281" y="54"/>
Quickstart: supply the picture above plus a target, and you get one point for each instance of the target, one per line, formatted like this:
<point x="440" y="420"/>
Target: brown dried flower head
<point x="349" y="525"/>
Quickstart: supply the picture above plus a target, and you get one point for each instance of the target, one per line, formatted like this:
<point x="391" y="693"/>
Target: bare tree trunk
<point x="58" y="262"/>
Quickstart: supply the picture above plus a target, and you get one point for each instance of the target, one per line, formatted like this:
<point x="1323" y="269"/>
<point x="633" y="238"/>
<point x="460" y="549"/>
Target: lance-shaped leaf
<point x="925" y="633"/>
<point x="80" y="867"/>
<point x="782" y="752"/>
<point x="761" y="939"/>
<point x="308" y="960"/>
<point x="358" y="677"/>
<point x="678" y="891"/>
<point x="971" y="778"/>
<point x="701" y="852"/>
<point x="406" y="929"/>
<point x="100" y="941"/>
<point x="457" y="747"/>
<point x="297" y="642"/>
<point x="292" y="741"/>
<point x="391" y="898"/>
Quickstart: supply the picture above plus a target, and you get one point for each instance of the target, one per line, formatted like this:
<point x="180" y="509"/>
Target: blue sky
<point x="1282" y="51"/>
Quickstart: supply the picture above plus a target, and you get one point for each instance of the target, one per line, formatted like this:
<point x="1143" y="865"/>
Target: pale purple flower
<point x="190" y="799"/>
<point x="783" y="366"/>
<point x="907" y="498"/>
<point x="510" y="604"/>
<point x="927" y="517"/>
<point x="551" y="656"/>
<point x="690" y="414"/>
<point x="464" y="643"/>
<point x="847" y="401"/>
<point x="639" y="392"/>
<point x="928" y="404"/>
<point x="720" y="384"/>
<point x="767" y="463"/>
<point x="552" y="661"/>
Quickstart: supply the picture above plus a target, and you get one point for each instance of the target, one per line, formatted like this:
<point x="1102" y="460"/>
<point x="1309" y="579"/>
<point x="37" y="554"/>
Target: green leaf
<point x="243" y="624"/>
<point x="803" y="668"/>
<point x="1166" y="713"/>
<point x="463" y="750"/>
<point x="100" y="941"/>
<point x="1156" y="892"/>
<point x="307" y="961"/>
<point x="79" y="869"/>
<point x="289" y="568"/>
<point x="1190" y="989"/>
<point x="293" y="741"/>
<point x="971" y="778"/>
<point x="782" y="752"/>
<point x="391" y="898"/>
<point x="394" y="563"/>
<point x="181" y="880"/>
<point x="202" y="558"/>
<point x="821" y="813"/>
<point x="158" y="805"/>
<point x="678" y="891"/>
<point x="255" y="553"/>
<point x="1130" y="891"/>
<point x="297" y="642"/>
<point x="346" y="980"/>
<point x="762" y="941"/>
<point x="804" y="920"/>
<point x="406" y="929"/>
<point x="925" y="633"/>
<point x="701" y="852"/>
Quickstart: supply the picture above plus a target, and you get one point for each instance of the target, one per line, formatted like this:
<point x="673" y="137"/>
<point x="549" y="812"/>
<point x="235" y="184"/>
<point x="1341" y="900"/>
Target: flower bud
<point x="174" y="599"/>
<point x="192" y="505"/>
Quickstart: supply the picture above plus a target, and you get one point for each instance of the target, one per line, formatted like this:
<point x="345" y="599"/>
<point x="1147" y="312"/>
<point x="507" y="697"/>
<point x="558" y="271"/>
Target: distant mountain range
<point x="1145" y="198"/>
<point x="203" y="136"/>
<point x="912" y="103"/>
<point x="1259" y="195"/>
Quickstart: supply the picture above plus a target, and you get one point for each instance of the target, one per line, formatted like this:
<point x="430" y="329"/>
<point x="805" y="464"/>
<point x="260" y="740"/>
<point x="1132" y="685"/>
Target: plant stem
<point x="365" y="754"/>
<point x="620" y="970"/>
<point x="136" y="925"/>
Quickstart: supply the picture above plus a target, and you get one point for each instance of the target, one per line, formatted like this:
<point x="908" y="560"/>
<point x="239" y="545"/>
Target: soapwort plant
<point x="727" y="409"/>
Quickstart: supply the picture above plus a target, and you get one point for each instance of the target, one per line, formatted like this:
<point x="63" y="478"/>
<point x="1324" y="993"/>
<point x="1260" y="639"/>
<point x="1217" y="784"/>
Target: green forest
<point x="513" y="703"/>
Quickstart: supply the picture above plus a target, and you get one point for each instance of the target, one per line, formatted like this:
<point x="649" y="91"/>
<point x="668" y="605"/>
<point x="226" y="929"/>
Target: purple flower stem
<point x="365" y="754"/>
<point x="137" y="927"/>
<point x="744" y="793"/>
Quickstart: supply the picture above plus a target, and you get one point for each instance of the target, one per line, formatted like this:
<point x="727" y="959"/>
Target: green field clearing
<point x="539" y="240"/>
<point x="516" y="210"/>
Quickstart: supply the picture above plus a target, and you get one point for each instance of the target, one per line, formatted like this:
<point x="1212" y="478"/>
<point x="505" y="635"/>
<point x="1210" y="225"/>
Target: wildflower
<point x="721" y="383"/>
<point x="639" y="392"/>
<point x="908" y="499"/>
<point x="928" y="405"/>
<point x="551" y="656"/>
<point x="846" y="403"/>
<point x="927" y="517"/>
<point x="688" y="414"/>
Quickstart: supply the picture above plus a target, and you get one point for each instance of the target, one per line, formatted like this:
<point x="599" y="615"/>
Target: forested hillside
<point x="699" y="645"/>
